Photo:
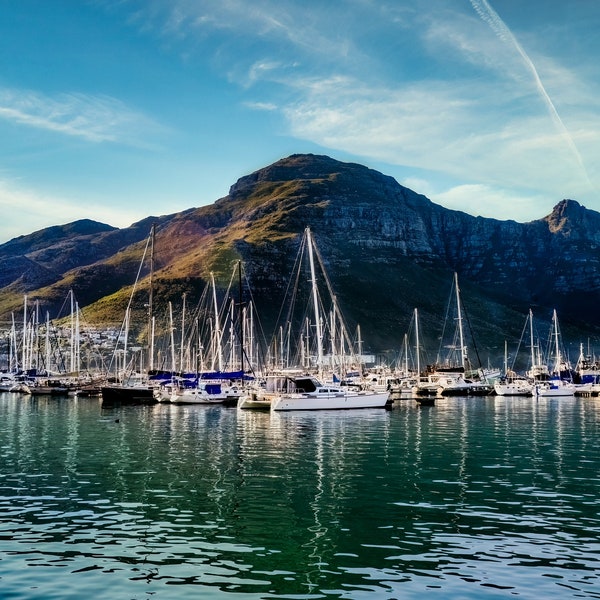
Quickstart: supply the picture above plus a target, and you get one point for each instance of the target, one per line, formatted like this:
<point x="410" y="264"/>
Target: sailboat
<point x="453" y="378"/>
<point x="555" y="386"/>
<point x="207" y="378"/>
<point x="132" y="386"/>
<point x="302" y="391"/>
<point x="588" y="375"/>
<point x="512" y="384"/>
<point x="425" y="388"/>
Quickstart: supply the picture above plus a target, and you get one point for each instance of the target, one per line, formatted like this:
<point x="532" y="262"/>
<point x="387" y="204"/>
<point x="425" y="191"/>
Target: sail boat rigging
<point x="554" y="385"/>
<point x="308" y="392"/>
<point x="131" y="387"/>
<point x="460" y="379"/>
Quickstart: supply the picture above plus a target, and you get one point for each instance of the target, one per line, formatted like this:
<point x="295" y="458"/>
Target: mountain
<point x="386" y="248"/>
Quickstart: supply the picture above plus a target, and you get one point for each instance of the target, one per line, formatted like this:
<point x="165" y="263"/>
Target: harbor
<point x="490" y="496"/>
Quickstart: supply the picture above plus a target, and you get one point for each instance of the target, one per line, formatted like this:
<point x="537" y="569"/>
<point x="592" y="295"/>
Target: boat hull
<point x="467" y="390"/>
<point x="249" y="404"/>
<point x="513" y="389"/>
<point x="289" y="402"/>
<point x="123" y="395"/>
<point x="561" y="391"/>
<point x="254" y="401"/>
<point x="193" y="397"/>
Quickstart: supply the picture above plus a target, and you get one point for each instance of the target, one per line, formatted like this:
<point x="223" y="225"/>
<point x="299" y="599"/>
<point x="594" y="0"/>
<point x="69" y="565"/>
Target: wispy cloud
<point x="235" y="31"/>
<point x="93" y="118"/>
<point x="266" y="106"/>
<point x="437" y="127"/>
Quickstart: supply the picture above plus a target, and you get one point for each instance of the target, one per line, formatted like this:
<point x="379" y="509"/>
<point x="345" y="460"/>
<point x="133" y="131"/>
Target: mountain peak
<point x="569" y="217"/>
<point x="303" y="167"/>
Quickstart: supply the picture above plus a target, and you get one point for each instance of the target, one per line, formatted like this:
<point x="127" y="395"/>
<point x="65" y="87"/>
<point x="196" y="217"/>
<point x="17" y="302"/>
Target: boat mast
<point x="242" y="318"/>
<point x="417" y="345"/>
<point x="172" y="328"/>
<point x="557" y="357"/>
<point x="217" y="336"/>
<point x="306" y="347"/>
<point x="463" y="352"/>
<point x="181" y="346"/>
<point x="360" y="347"/>
<point x="48" y="342"/>
<point x="77" y="339"/>
<point x="13" y="358"/>
<point x="315" y="301"/>
<point x="150" y="301"/>
<point x="24" y="358"/>
<point x="532" y="347"/>
<point x="249" y="321"/>
<point x="72" y="358"/>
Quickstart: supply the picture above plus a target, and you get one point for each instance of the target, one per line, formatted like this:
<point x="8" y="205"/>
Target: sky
<point x="116" y="110"/>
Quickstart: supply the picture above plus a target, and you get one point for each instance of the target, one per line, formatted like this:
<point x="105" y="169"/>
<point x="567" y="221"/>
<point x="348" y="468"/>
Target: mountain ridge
<point x="387" y="248"/>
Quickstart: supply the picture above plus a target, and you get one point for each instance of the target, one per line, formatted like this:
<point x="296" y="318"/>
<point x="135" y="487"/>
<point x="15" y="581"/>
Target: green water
<point x="470" y="498"/>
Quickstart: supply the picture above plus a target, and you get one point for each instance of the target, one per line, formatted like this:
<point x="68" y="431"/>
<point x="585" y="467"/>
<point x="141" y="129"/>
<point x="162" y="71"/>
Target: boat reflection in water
<point x="469" y="497"/>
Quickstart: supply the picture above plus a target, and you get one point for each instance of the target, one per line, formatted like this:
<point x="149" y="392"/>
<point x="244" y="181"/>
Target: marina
<point x="471" y="497"/>
<point x="300" y="303"/>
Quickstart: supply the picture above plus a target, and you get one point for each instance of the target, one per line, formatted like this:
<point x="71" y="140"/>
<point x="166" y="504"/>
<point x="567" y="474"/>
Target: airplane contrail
<point x="491" y="17"/>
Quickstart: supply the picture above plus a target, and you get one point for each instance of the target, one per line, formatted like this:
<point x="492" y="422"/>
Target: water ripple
<point x="467" y="499"/>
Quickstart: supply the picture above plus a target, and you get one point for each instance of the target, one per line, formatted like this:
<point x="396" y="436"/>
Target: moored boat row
<point x="333" y="381"/>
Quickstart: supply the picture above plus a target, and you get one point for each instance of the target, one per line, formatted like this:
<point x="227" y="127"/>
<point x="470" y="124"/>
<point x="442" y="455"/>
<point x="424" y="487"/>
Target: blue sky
<point x="119" y="109"/>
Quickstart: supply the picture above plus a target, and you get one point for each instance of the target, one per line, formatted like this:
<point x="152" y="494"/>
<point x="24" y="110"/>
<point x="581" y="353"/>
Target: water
<point x="470" y="498"/>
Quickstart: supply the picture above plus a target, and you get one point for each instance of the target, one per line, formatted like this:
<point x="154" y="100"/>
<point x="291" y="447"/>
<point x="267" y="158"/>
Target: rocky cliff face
<point x="387" y="250"/>
<point x="351" y="206"/>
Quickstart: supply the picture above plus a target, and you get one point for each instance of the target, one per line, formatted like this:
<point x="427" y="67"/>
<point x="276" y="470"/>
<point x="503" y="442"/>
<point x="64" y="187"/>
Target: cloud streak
<point x="92" y="118"/>
<point x="491" y="17"/>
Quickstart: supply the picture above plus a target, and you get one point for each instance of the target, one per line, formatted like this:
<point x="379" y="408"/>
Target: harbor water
<point x="472" y="497"/>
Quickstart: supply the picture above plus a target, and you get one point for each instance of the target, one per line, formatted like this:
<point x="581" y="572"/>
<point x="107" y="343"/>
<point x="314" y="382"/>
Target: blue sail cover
<point x="191" y="379"/>
<point x="223" y="375"/>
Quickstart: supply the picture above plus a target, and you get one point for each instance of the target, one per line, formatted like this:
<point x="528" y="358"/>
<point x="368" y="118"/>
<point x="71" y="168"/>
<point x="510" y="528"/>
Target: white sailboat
<point x="457" y="378"/>
<point x="588" y="375"/>
<point x="202" y="393"/>
<point x="555" y="386"/>
<point x="512" y="384"/>
<point x="309" y="392"/>
<point x="425" y="387"/>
